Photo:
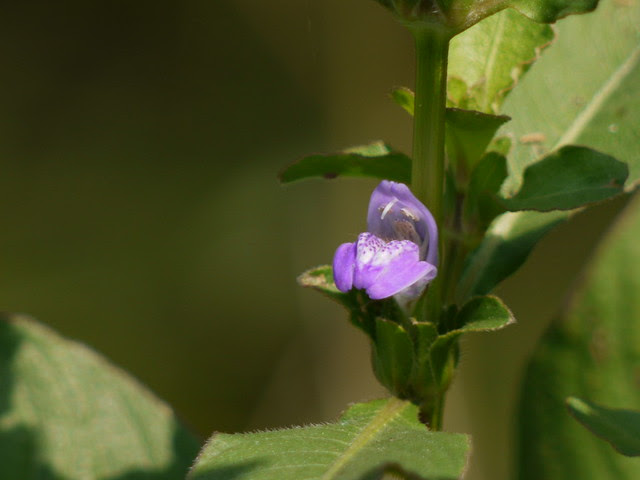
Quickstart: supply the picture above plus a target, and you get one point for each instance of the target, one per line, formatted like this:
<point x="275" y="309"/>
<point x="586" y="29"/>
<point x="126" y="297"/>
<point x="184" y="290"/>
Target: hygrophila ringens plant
<point x="499" y="158"/>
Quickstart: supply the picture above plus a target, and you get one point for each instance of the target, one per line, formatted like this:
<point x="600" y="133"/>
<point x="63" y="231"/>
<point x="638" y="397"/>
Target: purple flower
<point x="399" y="253"/>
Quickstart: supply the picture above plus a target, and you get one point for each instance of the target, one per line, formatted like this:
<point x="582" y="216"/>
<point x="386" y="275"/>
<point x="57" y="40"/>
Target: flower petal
<point x="344" y="264"/>
<point x="396" y="214"/>
<point x="398" y="267"/>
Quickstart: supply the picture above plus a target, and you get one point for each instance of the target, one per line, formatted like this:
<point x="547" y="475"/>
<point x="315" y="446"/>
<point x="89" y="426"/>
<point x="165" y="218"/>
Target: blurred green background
<point x="139" y="147"/>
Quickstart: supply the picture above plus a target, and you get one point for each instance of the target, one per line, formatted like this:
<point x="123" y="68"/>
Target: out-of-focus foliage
<point x="65" y="412"/>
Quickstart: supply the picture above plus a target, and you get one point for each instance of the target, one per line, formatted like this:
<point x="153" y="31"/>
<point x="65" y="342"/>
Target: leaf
<point x="405" y="98"/>
<point x="481" y="204"/>
<point x="621" y="428"/>
<point x="490" y="58"/>
<point x="362" y="310"/>
<point x="321" y="279"/>
<point x="65" y="412"/>
<point x="571" y="177"/>
<point x="590" y="351"/>
<point x="369" y="439"/>
<point x="508" y="242"/>
<point x="468" y="134"/>
<point x="376" y="160"/>
<point x="480" y="314"/>
<point x="584" y="90"/>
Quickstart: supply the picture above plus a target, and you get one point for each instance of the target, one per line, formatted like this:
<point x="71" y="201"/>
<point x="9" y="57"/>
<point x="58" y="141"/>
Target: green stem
<point x="428" y="167"/>
<point x="427" y="175"/>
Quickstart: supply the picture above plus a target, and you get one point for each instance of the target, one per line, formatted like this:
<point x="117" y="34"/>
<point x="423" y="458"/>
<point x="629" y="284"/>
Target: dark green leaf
<point x="468" y="134"/>
<point x="590" y="351"/>
<point x="66" y="413"/>
<point x="486" y="61"/>
<point x="369" y="439"/>
<point x="506" y="245"/>
<point x="584" y="90"/>
<point x="480" y="314"/>
<point x="376" y="160"/>
<point x="621" y="428"/>
<point x="482" y="205"/>
<point x="569" y="178"/>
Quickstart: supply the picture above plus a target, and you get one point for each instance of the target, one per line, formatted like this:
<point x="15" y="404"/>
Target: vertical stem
<point x="427" y="174"/>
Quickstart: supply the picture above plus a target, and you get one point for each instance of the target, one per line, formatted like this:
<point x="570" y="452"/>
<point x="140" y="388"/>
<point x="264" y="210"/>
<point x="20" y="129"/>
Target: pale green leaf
<point x="584" y="90"/>
<point x="375" y="160"/>
<point x="590" y="351"/>
<point x="621" y="428"/>
<point x="368" y="440"/>
<point x="490" y="58"/>
<point x="66" y="413"/>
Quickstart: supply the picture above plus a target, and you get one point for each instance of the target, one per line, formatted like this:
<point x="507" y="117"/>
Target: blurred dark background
<point x="139" y="147"/>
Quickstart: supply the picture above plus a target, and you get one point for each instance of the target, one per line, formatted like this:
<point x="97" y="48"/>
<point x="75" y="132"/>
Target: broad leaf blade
<point x="65" y="412"/>
<point x="621" y="428"/>
<point x="584" y="90"/>
<point x="569" y="178"/>
<point x="368" y="440"/>
<point x="591" y="351"/>
<point x="376" y="160"/>
<point x="490" y="58"/>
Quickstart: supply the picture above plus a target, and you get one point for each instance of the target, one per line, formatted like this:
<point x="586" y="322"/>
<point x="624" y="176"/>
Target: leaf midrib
<point x="387" y="414"/>
<point x="601" y="96"/>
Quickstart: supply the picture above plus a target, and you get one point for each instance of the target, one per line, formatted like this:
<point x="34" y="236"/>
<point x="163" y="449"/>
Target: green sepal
<point x="376" y="160"/>
<point x="482" y="203"/>
<point x="569" y="178"/>
<point x="392" y="356"/>
<point x="621" y="428"/>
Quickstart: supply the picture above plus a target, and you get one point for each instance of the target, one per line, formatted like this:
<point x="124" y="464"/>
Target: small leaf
<point x="490" y="57"/>
<point x="376" y="160"/>
<point x="506" y="245"/>
<point x="567" y="179"/>
<point x="66" y="413"/>
<point x="481" y="204"/>
<point x="321" y="279"/>
<point x="368" y="440"/>
<point x="404" y="98"/>
<point x="621" y="428"/>
<point x="480" y="314"/>
<point x="468" y="133"/>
